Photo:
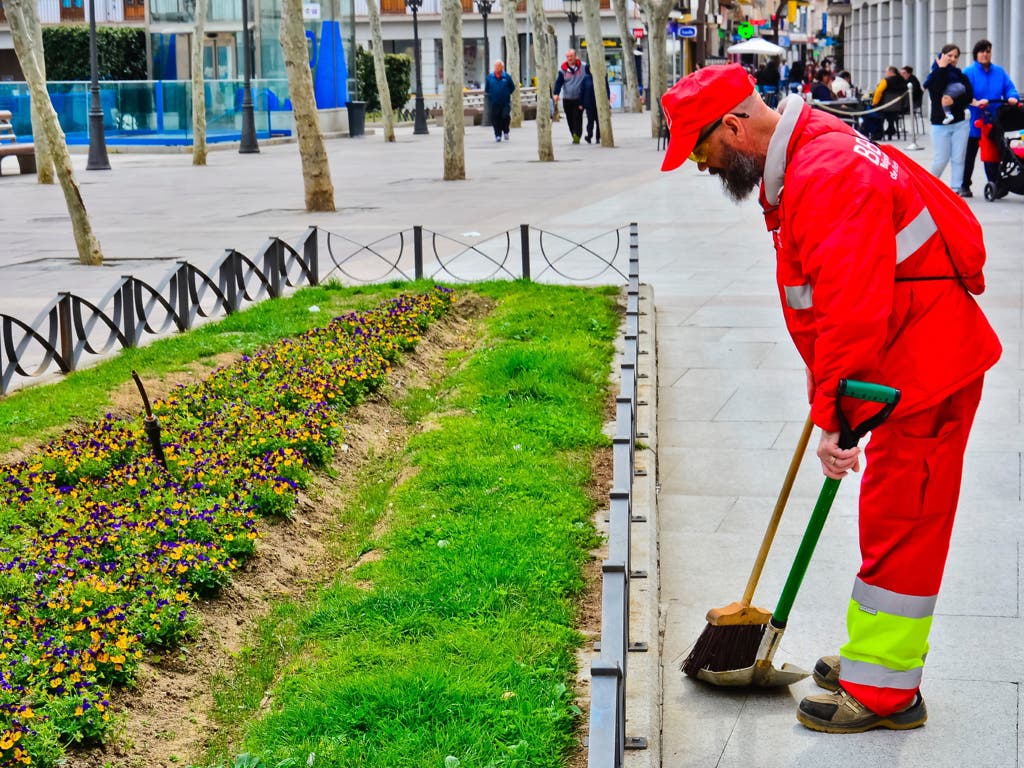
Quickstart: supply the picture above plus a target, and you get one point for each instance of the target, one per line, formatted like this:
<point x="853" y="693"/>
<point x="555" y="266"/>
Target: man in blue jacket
<point x="989" y="83"/>
<point x="499" y="89"/>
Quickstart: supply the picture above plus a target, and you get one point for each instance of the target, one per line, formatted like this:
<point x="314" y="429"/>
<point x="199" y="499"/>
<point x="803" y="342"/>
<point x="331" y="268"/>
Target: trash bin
<point x="356" y="117"/>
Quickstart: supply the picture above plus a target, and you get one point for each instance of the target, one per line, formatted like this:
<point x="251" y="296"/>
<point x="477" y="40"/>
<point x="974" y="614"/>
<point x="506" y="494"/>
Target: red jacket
<point x="847" y="217"/>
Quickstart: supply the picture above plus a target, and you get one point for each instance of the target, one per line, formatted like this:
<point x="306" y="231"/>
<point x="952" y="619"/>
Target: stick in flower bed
<point x="150" y="424"/>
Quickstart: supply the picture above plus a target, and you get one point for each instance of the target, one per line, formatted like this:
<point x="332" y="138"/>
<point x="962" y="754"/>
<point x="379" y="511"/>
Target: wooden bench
<point x="9" y="146"/>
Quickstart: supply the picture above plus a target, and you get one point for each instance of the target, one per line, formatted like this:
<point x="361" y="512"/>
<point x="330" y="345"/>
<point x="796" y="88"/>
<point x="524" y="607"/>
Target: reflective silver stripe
<point x="799" y="296"/>
<point x="913" y="236"/>
<point x="877" y="676"/>
<point x="893" y="603"/>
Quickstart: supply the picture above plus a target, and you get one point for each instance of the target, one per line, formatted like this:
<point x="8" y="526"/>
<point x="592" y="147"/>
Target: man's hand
<point x="556" y="97"/>
<point x="836" y="462"/>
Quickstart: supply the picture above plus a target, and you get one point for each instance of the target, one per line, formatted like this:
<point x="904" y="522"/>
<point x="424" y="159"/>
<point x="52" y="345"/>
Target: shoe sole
<point x="892" y="723"/>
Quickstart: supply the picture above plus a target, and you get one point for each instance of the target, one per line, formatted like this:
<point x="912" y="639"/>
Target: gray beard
<point x="741" y="175"/>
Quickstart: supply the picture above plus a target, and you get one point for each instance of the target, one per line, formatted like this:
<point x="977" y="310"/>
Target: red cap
<point x="696" y="101"/>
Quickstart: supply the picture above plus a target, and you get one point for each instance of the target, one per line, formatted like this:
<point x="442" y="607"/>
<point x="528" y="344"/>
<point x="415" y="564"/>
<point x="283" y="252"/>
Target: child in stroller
<point x="1000" y="143"/>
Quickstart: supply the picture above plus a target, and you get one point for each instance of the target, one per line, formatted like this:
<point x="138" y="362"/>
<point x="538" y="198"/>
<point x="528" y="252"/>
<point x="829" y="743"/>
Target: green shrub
<point x="120" y="53"/>
<point x="397" y="68"/>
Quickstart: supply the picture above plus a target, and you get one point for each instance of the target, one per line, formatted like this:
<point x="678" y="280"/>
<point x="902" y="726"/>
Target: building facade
<point x="881" y="33"/>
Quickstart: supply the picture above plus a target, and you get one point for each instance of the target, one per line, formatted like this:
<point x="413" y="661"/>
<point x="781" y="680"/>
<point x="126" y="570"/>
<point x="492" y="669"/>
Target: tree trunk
<point x="88" y="246"/>
<point x="545" y="84"/>
<point x="454" y="124"/>
<point x="508" y="10"/>
<point x="657" y="19"/>
<point x="316" y="171"/>
<point x="44" y="156"/>
<point x="198" y="88"/>
<point x="598" y="70"/>
<point x="379" y="72"/>
<point x="535" y="12"/>
<point x="631" y="93"/>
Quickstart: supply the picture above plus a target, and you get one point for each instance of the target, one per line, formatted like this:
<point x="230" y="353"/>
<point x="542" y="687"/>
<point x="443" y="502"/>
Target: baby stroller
<point x="1001" y="143"/>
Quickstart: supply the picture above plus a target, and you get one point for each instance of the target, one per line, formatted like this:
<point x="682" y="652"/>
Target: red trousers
<point x="908" y="501"/>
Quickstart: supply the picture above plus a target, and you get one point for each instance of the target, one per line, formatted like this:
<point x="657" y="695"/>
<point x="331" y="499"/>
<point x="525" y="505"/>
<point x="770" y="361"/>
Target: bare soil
<point x="165" y="720"/>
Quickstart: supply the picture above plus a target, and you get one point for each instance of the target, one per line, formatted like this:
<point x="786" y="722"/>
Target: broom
<point x="734" y="631"/>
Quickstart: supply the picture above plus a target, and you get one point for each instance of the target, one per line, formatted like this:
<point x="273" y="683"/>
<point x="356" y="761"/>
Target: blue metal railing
<point x="154" y="111"/>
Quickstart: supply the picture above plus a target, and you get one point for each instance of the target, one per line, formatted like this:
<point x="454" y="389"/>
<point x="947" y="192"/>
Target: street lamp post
<point x="97" y="143"/>
<point x="572" y="12"/>
<point x="420" y="125"/>
<point x="248" y="143"/>
<point x="484" y="6"/>
<point x="647" y="57"/>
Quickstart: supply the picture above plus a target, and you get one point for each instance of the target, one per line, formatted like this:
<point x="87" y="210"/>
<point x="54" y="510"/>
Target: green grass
<point x="457" y="646"/>
<point x="37" y="413"/>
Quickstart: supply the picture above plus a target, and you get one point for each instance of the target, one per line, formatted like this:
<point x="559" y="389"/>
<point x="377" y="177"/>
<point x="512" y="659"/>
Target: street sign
<point x="686" y="31"/>
<point x="310" y="11"/>
<point x="745" y="30"/>
<point x="638" y="32"/>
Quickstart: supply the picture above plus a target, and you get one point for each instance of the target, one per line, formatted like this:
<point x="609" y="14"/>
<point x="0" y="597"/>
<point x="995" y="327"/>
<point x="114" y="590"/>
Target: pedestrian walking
<point x="499" y="88"/>
<point x="590" y="105"/>
<point x="950" y="128"/>
<point x="989" y="82"/>
<point x="865" y="297"/>
<point x="569" y="87"/>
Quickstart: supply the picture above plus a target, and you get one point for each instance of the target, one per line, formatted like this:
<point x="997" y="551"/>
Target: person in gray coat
<point x="569" y="87"/>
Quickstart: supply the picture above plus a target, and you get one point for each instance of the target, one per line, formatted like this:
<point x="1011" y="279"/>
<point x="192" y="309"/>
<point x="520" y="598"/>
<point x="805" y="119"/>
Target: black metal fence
<point x="607" y="740"/>
<point x="71" y="331"/>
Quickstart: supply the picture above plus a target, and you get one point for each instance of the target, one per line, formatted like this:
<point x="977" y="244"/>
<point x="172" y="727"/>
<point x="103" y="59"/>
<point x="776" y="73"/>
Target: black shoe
<point x="839" y="712"/>
<point x="587" y="139"/>
<point x="965" y="192"/>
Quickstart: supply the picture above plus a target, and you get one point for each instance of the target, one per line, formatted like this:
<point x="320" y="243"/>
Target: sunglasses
<point x="700" y="150"/>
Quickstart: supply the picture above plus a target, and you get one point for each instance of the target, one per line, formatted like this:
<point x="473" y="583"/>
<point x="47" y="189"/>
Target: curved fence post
<point x="524" y="239"/>
<point x="228" y="279"/>
<point x="417" y="251"/>
<point x="67" y="341"/>
<point x="311" y="254"/>
<point x="128" y="325"/>
<point x="182" y="294"/>
<point x="273" y="266"/>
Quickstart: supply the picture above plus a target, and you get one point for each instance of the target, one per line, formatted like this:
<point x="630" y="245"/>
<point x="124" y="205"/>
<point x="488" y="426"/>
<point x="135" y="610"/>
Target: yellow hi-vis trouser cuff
<point x="884" y="650"/>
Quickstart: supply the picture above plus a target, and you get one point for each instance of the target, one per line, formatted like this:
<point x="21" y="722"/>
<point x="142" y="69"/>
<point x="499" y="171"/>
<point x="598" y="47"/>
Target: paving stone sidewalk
<point x="728" y="409"/>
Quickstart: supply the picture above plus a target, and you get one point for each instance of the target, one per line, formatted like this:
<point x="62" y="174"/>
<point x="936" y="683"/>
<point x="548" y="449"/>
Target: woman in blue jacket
<point x="990" y="83"/>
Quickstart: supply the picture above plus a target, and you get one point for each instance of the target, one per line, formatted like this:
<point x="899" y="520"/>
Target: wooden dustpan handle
<point x="780" y="504"/>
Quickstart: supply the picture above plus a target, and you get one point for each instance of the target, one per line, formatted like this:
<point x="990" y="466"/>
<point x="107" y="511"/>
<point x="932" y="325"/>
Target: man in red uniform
<point x="861" y="300"/>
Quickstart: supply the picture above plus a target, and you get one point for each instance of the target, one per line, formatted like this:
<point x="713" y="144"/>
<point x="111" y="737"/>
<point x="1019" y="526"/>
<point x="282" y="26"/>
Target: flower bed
<point x="102" y="550"/>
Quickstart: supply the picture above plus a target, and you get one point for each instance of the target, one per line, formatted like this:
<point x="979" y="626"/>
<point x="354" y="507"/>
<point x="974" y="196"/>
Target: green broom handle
<point x="848" y="438"/>
<point x="803" y="554"/>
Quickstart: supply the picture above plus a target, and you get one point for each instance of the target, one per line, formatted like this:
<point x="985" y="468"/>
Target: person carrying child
<point x="950" y="128"/>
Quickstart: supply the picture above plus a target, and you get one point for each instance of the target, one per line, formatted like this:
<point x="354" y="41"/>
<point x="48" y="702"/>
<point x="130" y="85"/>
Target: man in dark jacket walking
<point x="498" y="89"/>
<point x="590" y="105"/>
<point x="569" y="86"/>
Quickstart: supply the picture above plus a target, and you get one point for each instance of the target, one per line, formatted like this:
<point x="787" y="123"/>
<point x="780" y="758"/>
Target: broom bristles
<point x="724" y="648"/>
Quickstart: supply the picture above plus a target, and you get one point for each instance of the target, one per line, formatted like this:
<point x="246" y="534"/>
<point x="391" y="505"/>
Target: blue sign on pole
<point x="687" y="31"/>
